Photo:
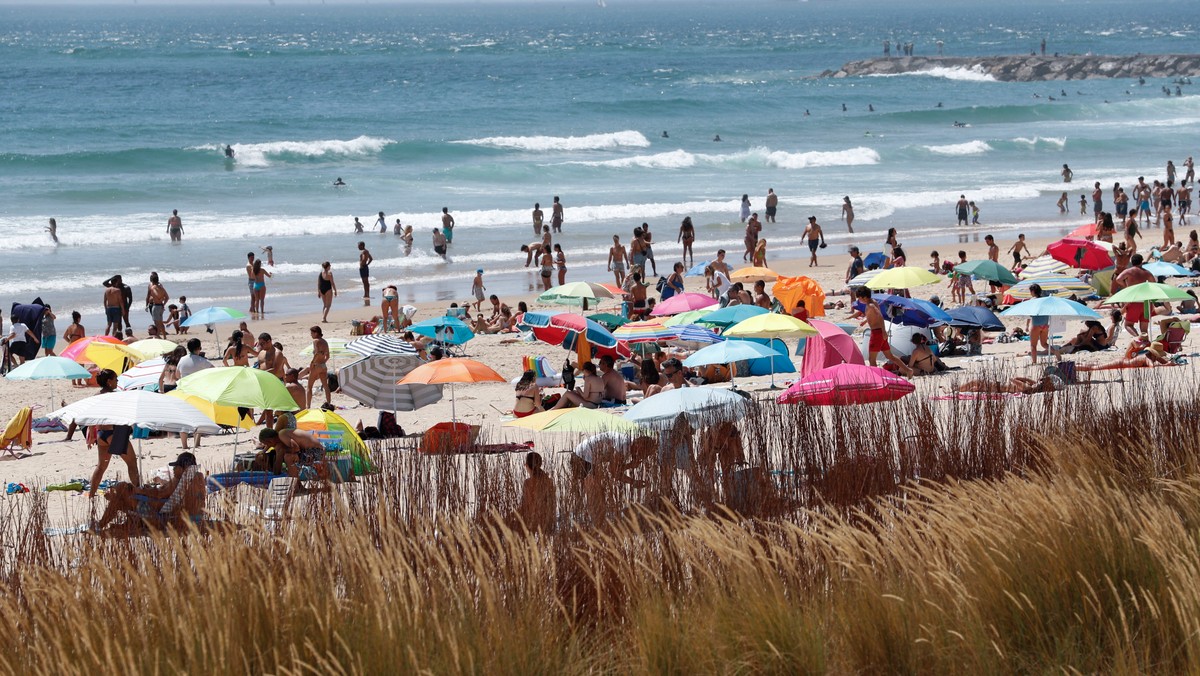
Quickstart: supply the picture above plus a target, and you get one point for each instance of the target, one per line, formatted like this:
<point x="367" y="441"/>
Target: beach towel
<point x="18" y="432"/>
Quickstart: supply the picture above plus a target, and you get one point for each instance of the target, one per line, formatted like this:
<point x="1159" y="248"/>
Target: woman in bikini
<point x="687" y="235"/>
<point x="390" y="306"/>
<point x="260" y="286"/>
<point x="560" y="259"/>
<point x="547" y="269"/>
<point x="1015" y="386"/>
<point x="326" y="290"/>
<point x="529" y="395"/>
<point x="236" y="352"/>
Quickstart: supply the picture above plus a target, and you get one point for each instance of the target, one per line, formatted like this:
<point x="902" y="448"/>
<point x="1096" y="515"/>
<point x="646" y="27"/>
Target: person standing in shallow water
<point x="848" y="213"/>
<point x="175" y="226"/>
<point x="556" y="215"/>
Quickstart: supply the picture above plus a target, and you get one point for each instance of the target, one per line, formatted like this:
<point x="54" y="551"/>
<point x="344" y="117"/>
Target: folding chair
<point x="18" y="433"/>
<point x="280" y="492"/>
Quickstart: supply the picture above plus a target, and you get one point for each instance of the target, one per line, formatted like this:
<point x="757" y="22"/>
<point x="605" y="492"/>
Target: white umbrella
<point x="372" y="381"/>
<point x="138" y="407"/>
<point x="141" y="376"/>
<point x="381" y="344"/>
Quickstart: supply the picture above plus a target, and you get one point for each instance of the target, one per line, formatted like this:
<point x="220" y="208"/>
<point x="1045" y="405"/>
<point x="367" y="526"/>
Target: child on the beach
<point x="173" y="317"/>
<point x="184" y="313"/>
<point x="974" y="213"/>
<point x="477" y="288"/>
<point x="1062" y="204"/>
<point x="270" y="251"/>
<point x="936" y="265"/>
<point x="760" y="254"/>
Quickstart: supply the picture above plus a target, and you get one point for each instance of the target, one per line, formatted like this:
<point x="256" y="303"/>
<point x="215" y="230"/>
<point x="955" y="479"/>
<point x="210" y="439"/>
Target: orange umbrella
<point x="754" y="274"/>
<point x="450" y="371"/>
<point x="789" y="291"/>
<point x="81" y="352"/>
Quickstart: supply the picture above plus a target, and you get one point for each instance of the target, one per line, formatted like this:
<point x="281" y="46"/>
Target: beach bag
<point x="662" y="284"/>
<point x="334" y="383"/>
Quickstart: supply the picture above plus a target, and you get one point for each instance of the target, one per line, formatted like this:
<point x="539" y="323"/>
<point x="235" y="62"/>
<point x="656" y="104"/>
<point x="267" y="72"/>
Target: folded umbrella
<point x="846" y="384"/>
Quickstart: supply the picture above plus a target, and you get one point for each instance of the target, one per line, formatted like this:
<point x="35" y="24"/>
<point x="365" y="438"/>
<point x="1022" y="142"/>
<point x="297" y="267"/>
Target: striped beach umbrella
<point x="862" y="279"/>
<point x="371" y="381"/>
<point x="381" y="344"/>
<point x="1045" y="266"/>
<point x="1061" y="286"/>
<point x="693" y="335"/>
<point x="651" y="331"/>
<point x="141" y="376"/>
<point x="688" y="317"/>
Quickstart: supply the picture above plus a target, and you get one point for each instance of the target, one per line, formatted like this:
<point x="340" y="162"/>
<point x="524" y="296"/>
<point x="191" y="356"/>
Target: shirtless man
<point x="772" y="205"/>
<point x="617" y="259"/>
<point x="269" y="359"/>
<point x="290" y="449"/>
<point x="1142" y="193"/>
<point x="556" y="215"/>
<point x="993" y="249"/>
<point x="753" y="227"/>
<point x="250" y="280"/>
<point x="720" y="265"/>
<point x="1183" y="197"/>
<point x="156" y="301"/>
<point x="592" y="394"/>
<point x="879" y="338"/>
<point x="761" y="298"/>
<point x="614" y="383"/>
<point x="318" y="371"/>
<point x="175" y="226"/>
<point x="636" y="291"/>
<point x="439" y="243"/>
<point x="1097" y="201"/>
<point x="538" y="217"/>
<point x="447" y="225"/>
<point x="1134" y="312"/>
<point x="364" y="271"/>
<point x="963" y="209"/>
<point x="291" y="380"/>
<point x="815" y="237"/>
<point x="113" y="304"/>
<point x="531" y="251"/>
<point x="174" y="503"/>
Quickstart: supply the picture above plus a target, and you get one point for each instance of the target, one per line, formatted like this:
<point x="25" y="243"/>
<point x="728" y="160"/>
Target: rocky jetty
<point x="1034" y="68"/>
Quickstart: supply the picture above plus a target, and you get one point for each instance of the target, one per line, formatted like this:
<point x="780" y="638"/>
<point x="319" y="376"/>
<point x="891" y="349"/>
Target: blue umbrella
<point x="909" y="311"/>
<point x="728" y="316"/>
<point x="1050" y="307"/>
<point x="877" y="259"/>
<point x="449" y="330"/>
<point x="1165" y="269"/>
<point x="213" y="315"/>
<point x="730" y="351"/>
<point x="701" y="404"/>
<point x="695" y="334"/>
<point x="975" y="317"/>
<point x="697" y="270"/>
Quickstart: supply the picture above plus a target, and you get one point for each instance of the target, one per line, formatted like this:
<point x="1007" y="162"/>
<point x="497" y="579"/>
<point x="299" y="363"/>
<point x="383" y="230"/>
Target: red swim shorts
<point x="1135" y="312"/>
<point x="523" y="414"/>
<point x="879" y="342"/>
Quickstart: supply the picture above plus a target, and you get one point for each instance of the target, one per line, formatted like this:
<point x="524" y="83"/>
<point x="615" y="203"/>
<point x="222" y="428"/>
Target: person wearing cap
<point x="477" y="288"/>
<point x="170" y="503"/>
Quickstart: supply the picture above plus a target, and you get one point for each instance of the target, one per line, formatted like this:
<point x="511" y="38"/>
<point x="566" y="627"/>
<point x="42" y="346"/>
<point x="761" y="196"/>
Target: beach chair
<point x="18" y="433"/>
<point x="280" y="492"/>
<point x="546" y="375"/>
<point x="1173" y="335"/>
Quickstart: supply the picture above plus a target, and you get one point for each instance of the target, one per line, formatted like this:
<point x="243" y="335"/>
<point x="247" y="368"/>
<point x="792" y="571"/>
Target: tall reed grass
<point x="1029" y="534"/>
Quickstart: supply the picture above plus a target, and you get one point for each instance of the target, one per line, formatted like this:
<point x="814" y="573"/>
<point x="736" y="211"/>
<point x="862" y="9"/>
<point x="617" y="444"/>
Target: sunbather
<point x="1017" y="385"/>
<point x="1154" y="356"/>
<point x="172" y="503"/>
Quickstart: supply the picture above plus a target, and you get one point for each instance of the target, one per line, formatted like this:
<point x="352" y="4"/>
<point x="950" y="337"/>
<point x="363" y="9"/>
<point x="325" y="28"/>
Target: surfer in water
<point x="229" y="152"/>
<point x="53" y="230"/>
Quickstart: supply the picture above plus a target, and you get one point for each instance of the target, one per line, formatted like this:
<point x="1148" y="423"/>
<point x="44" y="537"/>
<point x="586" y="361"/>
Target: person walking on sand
<point x="447" y="225"/>
<point x="556" y="215"/>
<point x="1018" y="249"/>
<point x="156" y="302"/>
<point x="617" y="259"/>
<point x="326" y="290"/>
<point x="772" y="205"/>
<point x="816" y="239"/>
<point x="318" y="370"/>
<point x="963" y="208"/>
<point x="478" y="289"/>
<point x="175" y="226"/>
<point x="848" y="213"/>
<point x="538" y="217"/>
<point x="878" y="341"/>
<point x="364" y="271"/>
<point x="53" y="230"/>
<point x="687" y="235"/>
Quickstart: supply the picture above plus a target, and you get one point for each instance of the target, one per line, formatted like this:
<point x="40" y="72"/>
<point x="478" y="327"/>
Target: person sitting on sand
<point x="538" y="509"/>
<point x="592" y="394"/>
<point x="1093" y="338"/>
<point x="172" y="503"/>
<point x="529" y="395"/>
<point x="922" y="360"/>
<point x="1154" y="356"/>
<point x="1017" y="385"/>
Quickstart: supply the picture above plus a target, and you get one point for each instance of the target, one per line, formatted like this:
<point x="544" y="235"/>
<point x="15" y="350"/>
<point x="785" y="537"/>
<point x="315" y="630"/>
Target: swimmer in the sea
<point x="229" y="151"/>
<point x="717" y="137"/>
<point x="53" y="230"/>
<point x="339" y="182"/>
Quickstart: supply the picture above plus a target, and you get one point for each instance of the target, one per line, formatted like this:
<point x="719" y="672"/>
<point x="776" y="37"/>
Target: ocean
<point x="114" y="116"/>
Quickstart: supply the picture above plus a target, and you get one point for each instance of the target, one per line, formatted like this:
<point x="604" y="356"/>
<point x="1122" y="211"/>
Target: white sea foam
<point x="838" y="158"/>
<point x="972" y="74"/>
<point x="260" y="154"/>
<point x="1059" y="141"/>
<point x="619" y="139"/>
<point x="676" y="159"/>
<point x="968" y="148"/>
<point x="755" y="158"/>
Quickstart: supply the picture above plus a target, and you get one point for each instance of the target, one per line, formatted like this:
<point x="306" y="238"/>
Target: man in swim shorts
<point x="556" y="215"/>
<point x="156" y="301"/>
<point x="113" y="303"/>
<point x="364" y="270"/>
<point x="439" y="243"/>
<point x="772" y="204"/>
<point x="812" y="232"/>
<point x="616" y="260"/>
<point x="879" y="338"/>
<point x="448" y="225"/>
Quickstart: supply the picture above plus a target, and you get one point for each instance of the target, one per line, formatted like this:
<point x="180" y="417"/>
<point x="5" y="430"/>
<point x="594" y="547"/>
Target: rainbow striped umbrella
<point x="651" y="331"/>
<point x="1061" y="286"/>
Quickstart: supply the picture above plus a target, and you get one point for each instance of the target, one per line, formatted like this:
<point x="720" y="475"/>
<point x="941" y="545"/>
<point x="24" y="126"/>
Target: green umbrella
<point x="989" y="270"/>
<point x="578" y="420"/>
<point x="1148" y="292"/>
<point x="576" y="293"/>
<point x="689" y="317"/>
<point x="608" y="320"/>
<point x="239" y="386"/>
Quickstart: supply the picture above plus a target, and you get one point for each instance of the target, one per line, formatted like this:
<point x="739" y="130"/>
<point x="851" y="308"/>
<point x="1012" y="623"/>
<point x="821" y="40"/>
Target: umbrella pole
<point x="453" y="409"/>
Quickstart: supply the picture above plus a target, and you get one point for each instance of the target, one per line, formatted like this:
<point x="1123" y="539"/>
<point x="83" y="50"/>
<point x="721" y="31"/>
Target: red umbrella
<point x="563" y="328"/>
<point x="1084" y="231"/>
<point x="846" y="384"/>
<point x="1080" y="253"/>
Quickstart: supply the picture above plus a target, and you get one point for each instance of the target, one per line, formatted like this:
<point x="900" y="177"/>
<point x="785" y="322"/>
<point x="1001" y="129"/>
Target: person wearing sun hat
<point x="181" y="498"/>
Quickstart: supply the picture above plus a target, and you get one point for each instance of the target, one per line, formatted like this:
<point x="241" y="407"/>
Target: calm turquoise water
<point x="115" y="116"/>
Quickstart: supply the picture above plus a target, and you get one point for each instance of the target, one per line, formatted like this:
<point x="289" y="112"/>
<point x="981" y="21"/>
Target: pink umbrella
<point x="846" y="384"/>
<point x="1080" y="253"/>
<point x="684" y="302"/>
<point x="831" y="347"/>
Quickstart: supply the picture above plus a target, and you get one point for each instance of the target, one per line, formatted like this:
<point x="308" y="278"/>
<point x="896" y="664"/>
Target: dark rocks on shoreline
<point x="1034" y="68"/>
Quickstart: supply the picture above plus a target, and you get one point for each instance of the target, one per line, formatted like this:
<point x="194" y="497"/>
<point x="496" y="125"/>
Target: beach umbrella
<point x="222" y="415"/>
<point x="142" y="375"/>
<point x="379" y="345"/>
<point x="149" y="348"/>
<point x="608" y="320"/>
<point x="728" y="352"/>
<point x="610" y="442"/>
<point x="576" y="293"/>
<point x="877" y="259"/>
<point x="700" y="404"/>
<point x="1063" y="286"/>
<point x="138" y="407"/>
<point x="115" y="356"/>
<point x="862" y="279"/>
<point x="563" y="328"/>
<point x="49" y="368"/>
<point x="1165" y="269"/>
<point x="1148" y="292"/>
<point x="447" y="329"/>
<point x="697" y="270"/>
<point x="77" y="350"/>
<point x="771" y="326"/>
<point x="903" y="278"/>
<point x="651" y="331"/>
<point x="239" y="386"/>
<point x="372" y="381"/>
<point x="846" y="384"/>
<point x="1045" y="266"/>
<point x="831" y="346"/>
<point x="213" y="315"/>
<point x="683" y="302"/>
<point x="451" y="371"/>
<point x="578" y="420"/>
<point x="337" y="348"/>
<point x="1084" y="231"/>
<point x="690" y="317"/>
<point x="1050" y="306"/>
<point x="728" y="316"/>
<point x="908" y="311"/>
<point x="988" y="270"/>
<point x="754" y="274"/>
<point x="695" y="336"/>
<point x="977" y="317"/>
<point x="1080" y="253"/>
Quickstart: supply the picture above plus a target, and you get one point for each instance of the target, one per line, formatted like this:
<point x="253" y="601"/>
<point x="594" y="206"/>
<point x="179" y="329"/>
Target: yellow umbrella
<point x="754" y="274"/>
<point x="902" y="278"/>
<point x="222" y="415"/>
<point x="150" y="348"/>
<point x="770" y="326"/>
<point x="115" y="356"/>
